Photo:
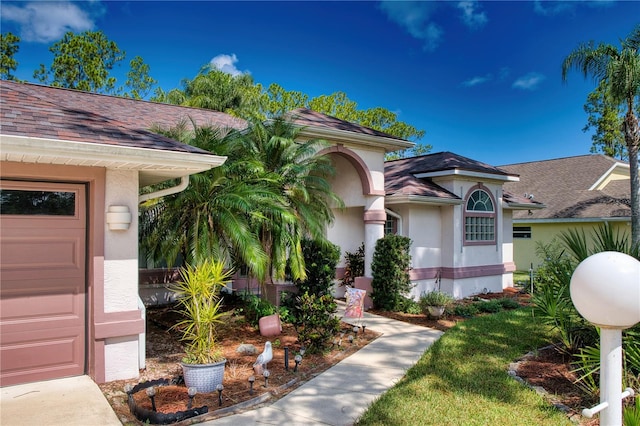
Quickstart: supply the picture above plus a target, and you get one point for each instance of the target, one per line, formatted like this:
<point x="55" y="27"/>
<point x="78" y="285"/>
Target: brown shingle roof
<point x="307" y="117"/>
<point x="442" y="161"/>
<point x="46" y="112"/>
<point x="563" y="186"/>
<point x="399" y="180"/>
<point x="400" y="177"/>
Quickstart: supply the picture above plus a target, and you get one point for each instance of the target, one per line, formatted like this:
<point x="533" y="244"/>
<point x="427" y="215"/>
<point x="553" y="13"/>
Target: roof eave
<point x="389" y="144"/>
<point x="421" y="199"/>
<point x="523" y="206"/>
<point x="468" y="173"/>
<point x="154" y="165"/>
<point x="574" y="219"/>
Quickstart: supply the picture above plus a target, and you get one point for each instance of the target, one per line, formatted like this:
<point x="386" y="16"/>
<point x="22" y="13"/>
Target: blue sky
<point x="481" y="78"/>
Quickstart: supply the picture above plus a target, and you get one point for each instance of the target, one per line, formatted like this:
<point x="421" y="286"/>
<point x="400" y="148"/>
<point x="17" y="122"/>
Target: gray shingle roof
<point x="563" y="186"/>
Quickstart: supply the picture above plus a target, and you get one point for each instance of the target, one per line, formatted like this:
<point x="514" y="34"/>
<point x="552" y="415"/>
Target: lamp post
<point x="605" y="289"/>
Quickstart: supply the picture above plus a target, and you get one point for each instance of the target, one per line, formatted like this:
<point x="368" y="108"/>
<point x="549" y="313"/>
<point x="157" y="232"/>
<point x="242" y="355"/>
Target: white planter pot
<point x="204" y="377"/>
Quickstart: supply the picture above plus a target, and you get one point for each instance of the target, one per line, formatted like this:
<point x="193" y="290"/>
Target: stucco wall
<point x="347" y="231"/>
<point x="524" y="250"/>
<point x="423" y="225"/>
<point x="346" y="182"/>
<point x="121" y="273"/>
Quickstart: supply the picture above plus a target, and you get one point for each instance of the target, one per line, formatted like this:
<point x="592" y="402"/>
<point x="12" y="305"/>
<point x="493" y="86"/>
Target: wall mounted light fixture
<point x="118" y="218"/>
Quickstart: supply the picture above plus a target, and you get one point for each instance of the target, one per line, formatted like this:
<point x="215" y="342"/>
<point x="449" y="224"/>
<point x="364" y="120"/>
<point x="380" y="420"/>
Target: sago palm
<point x="299" y="176"/>
<point x="212" y="216"/>
<point x="618" y="71"/>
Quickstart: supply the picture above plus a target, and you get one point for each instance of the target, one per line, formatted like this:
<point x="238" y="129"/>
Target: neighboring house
<point x="579" y="192"/>
<point x="458" y="216"/>
<point x="72" y="166"/>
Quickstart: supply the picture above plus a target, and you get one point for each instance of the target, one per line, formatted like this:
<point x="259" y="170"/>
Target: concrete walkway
<point x="337" y="396"/>
<point x="342" y="393"/>
<point x="72" y="401"/>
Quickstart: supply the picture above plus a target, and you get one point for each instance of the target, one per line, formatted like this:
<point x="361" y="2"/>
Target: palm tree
<point x="299" y="176"/>
<point x="212" y="217"/>
<point x="618" y="70"/>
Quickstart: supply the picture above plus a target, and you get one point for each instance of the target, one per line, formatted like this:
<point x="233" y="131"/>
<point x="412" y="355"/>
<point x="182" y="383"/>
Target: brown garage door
<point x="42" y="293"/>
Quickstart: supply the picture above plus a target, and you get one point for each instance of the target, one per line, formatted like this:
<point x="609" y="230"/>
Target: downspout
<point x="142" y="338"/>
<point x="184" y="182"/>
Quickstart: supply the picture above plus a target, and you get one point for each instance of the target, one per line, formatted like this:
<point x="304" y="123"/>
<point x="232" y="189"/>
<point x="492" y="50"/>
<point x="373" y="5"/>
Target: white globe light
<point x="605" y="289"/>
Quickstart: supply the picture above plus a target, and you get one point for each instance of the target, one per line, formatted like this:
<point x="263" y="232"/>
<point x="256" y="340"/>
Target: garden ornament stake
<point x="219" y="388"/>
<point x="252" y="379"/>
<point x="605" y="289"/>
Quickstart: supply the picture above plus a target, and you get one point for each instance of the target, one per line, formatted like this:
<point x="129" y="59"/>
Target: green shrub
<point x="508" y="303"/>
<point x="312" y="310"/>
<point x="255" y="307"/>
<point x="409" y="306"/>
<point x="354" y="266"/>
<point x="390" y="270"/>
<point x="320" y="259"/>
<point x="490" y="306"/>
<point x="466" y="310"/>
<point x="435" y="298"/>
<point x="314" y="321"/>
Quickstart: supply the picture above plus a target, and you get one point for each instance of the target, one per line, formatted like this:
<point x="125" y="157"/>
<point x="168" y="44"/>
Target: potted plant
<point x="200" y="303"/>
<point x="435" y="302"/>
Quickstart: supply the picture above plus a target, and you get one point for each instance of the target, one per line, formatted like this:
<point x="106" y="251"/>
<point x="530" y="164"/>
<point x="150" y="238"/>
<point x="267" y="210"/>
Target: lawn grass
<point x="462" y="379"/>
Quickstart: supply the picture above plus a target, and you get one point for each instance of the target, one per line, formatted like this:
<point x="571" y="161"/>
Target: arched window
<point x="479" y="218"/>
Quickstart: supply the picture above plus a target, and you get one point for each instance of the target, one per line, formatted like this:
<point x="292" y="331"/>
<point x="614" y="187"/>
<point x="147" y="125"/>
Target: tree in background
<point x="9" y="46"/>
<point x="82" y="61"/>
<point x="605" y="119"/>
<point x="138" y="79"/>
<point x="617" y="73"/>
<point x="240" y="96"/>
<point x="216" y="90"/>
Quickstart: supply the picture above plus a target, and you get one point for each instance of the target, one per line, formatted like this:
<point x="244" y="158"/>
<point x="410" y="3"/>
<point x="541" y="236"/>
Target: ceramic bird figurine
<point x="263" y="359"/>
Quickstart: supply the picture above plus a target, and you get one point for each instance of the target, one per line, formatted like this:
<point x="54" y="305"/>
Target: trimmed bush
<point x="390" y="270"/>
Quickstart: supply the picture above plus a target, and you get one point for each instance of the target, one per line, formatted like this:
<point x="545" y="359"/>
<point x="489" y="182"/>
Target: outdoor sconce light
<point x="298" y="360"/>
<point x="266" y="375"/>
<point x="192" y="393"/>
<point x="605" y="289"/>
<point x="151" y="393"/>
<point x="219" y="388"/>
<point x="251" y="380"/>
<point x="118" y="218"/>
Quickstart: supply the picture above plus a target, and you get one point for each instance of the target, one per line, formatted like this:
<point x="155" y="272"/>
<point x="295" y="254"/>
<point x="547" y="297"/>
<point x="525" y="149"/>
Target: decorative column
<point x="373" y="230"/>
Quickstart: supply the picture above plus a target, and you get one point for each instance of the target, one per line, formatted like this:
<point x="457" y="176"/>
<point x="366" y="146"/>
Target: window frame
<point x="467" y="214"/>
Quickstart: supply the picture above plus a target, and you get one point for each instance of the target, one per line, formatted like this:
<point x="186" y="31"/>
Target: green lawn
<point x="462" y="379"/>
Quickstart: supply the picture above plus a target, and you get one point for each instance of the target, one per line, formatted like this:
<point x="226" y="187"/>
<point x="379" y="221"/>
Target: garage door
<point x="42" y="294"/>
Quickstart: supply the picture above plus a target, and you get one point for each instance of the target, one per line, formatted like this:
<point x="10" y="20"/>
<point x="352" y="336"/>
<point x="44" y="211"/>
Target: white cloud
<point x="44" y="22"/>
<point x="415" y="18"/>
<point x="475" y="81"/>
<point x="227" y="63"/>
<point x="472" y="16"/>
<point x="529" y="81"/>
<point x="552" y="8"/>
